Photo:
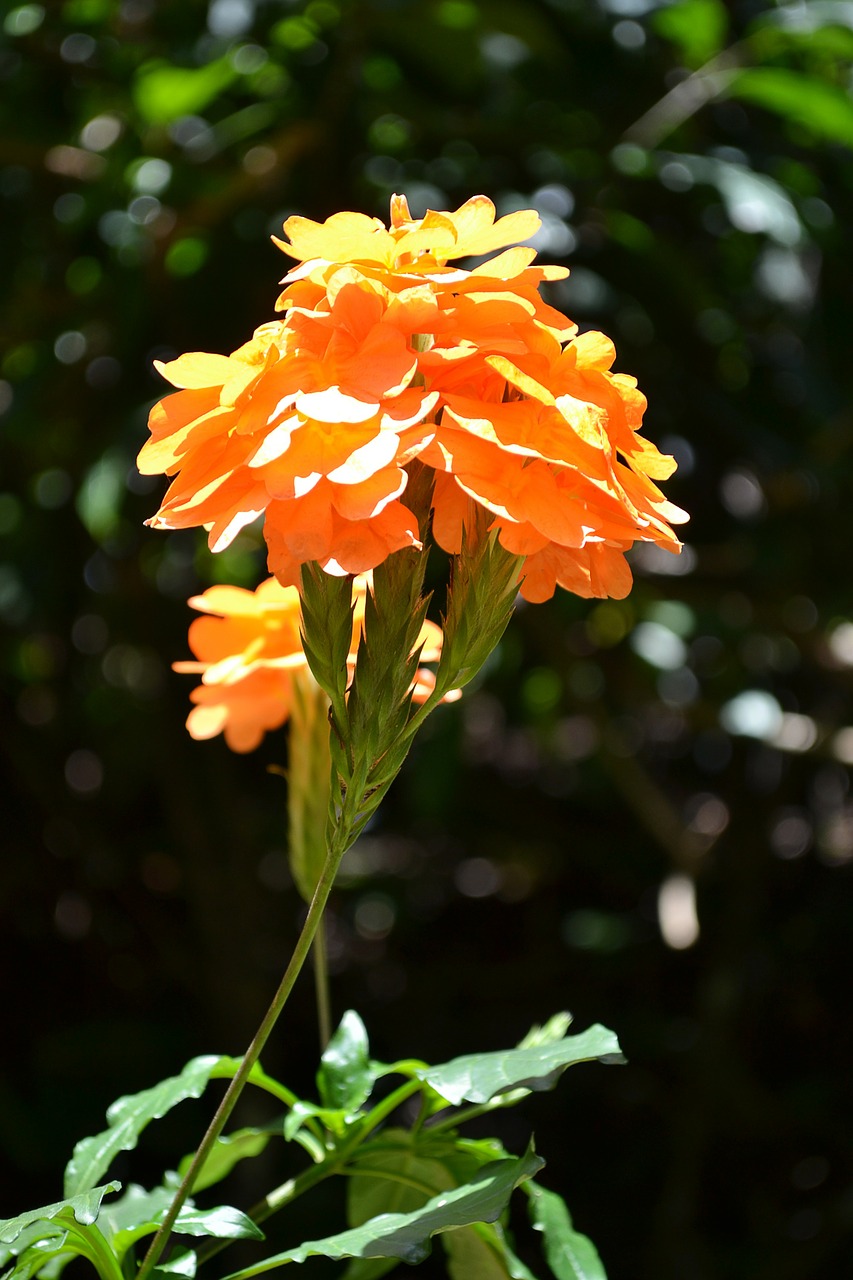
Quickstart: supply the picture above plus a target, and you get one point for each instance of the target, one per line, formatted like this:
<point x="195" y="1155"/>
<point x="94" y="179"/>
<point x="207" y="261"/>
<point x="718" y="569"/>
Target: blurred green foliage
<point x="692" y="165"/>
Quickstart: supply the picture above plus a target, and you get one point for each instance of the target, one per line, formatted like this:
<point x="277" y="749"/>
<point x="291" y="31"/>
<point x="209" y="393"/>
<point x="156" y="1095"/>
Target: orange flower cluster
<point x="386" y="353"/>
<point x="249" y="652"/>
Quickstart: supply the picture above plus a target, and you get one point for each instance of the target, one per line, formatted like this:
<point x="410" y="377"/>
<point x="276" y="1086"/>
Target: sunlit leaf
<point x="408" y="1235"/>
<point x="140" y="1213"/>
<point x="100" y="495"/>
<point x="397" y="1175"/>
<point x="479" y="1077"/>
<point x="83" y="1209"/>
<point x="224" y="1223"/>
<point x="128" y="1116"/>
<point x="824" y="108"/>
<point x="346" y="1078"/>
<point x="163" y="93"/>
<point x="571" y="1256"/>
<point x="227" y="1152"/>
<point x="697" y="27"/>
<point x="755" y="202"/>
<point x="480" y="1252"/>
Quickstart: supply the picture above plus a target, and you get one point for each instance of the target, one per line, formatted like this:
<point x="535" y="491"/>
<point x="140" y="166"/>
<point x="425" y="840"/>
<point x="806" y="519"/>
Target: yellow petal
<point x="197" y="369"/>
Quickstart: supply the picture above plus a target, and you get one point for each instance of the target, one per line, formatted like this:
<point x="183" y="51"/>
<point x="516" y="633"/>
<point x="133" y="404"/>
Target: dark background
<point x="692" y="163"/>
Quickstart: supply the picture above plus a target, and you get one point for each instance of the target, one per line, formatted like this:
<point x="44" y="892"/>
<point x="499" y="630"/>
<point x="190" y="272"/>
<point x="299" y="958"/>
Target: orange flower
<point x="248" y="652"/>
<point x="388" y="352"/>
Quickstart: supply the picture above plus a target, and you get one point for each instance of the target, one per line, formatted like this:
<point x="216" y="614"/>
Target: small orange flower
<point x="248" y="652"/>
<point x="389" y="352"/>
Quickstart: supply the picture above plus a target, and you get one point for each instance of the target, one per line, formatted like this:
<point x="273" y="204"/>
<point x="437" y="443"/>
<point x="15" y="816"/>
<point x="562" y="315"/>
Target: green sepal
<point x="327" y="619"/>
<point x="480" y="603"/>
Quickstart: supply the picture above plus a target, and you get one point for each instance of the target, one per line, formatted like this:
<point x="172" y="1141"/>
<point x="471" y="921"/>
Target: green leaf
<point x="34" y="1247"/>
<point x="697" y="27"/>
<point x="369" y="1268"/>
<point x="825" y="109"/>
<point x="570" y="1255"/>
<point x="223" y="1223"/>
<point x="346" y="1077"/>
<point x="133" y="1215"/>
<point x="129" y="1116"/>
<point x="754" y="201"/>
<point x="227" y="1152"/>
<point x="397" y="1173"/>
<point x="163" y="93"/>
<point x="183" y="1262"/>
<point x="481" y="1253"/>
<point x="548" y="1033"/>
<point x="83" y="1209"/>
<point x="139" y="1213"/>
<point x="408" y="1235"/>
<point x="479" y="1077"/>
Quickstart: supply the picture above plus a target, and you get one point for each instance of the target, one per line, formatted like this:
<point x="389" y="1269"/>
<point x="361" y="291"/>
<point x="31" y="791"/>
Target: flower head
<point x="248" y="652"/>
<point x="388" y="351"/>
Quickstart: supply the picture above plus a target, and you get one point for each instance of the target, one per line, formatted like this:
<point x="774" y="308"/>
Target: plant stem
<point x="317" y="1173"/>
<point x="463" y="1114"/>
<point x="321" y="986"/>
<point x="226" y="1106"/>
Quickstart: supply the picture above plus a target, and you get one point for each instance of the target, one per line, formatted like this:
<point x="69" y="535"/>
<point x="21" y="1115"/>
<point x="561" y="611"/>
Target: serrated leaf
<point x="346" y="1077"/>
<point x="570" y="1255"/>
<point x="83" y="1209"/>
<point x="227" y="1152"/>
<point x="128" y="1116"/>
<point x="479" y="1077"/>
<point x="408" y="1235"/>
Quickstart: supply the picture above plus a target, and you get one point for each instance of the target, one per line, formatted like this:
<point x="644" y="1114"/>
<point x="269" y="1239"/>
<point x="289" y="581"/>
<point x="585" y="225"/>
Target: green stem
<point x="294" y="1187"/>
<point x="300" y="953"/>
<point x="462" y="1115"/>
<point x="93" y="1246"/>
<point x="317" y="1173"/>
<point x="321" y="987"/>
